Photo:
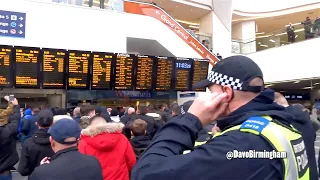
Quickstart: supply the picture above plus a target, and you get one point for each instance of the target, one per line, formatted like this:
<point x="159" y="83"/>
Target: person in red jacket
<point x="106" y="142"/>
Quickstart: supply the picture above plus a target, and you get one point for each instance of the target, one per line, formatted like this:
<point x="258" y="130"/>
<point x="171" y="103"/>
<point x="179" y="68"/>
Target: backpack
<point x="139" y="152"/>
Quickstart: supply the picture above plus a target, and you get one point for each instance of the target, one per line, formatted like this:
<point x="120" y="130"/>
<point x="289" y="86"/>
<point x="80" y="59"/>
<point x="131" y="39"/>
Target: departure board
<point x="5" y="65"/>
<point x="183" y="70"/>
<point x="27" y="68"/>
<point x="53" y="68"/>
<point x="124" y="72"/>
<point x="102" y="71"/>
<point x="78" y="69"/>
<point x="164" y="73"/>
<point x="200" y="71"/>
<point x="144" y="79"/>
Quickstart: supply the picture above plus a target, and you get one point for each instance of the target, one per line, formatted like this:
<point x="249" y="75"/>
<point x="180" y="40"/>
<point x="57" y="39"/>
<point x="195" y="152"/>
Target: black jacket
<point x="8" y="153"/>
<point x="140" y="141"/>
<point x="163" y="158"/>
<point x="69" y="164"/>
<point x="152" y="125"/>
<point x="303" y="124"/>
<point x="33" y="151"/>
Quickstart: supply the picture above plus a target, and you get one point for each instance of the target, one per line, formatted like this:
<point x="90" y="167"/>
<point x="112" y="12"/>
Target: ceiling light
<point x="263" y="45"/>
<point x="197" y="27"/>
<point x="271" y="40"/>
<point x="269" y="85"/>
<point x="316" y="83"/>
<point x="296" y="82"/>
<point x="309" y="87"/>
<point x="296" y="36"/>
<point x="258" y="33"/>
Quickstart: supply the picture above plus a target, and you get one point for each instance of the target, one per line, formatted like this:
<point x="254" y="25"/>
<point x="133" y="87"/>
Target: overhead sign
<point x="12" y="24"/>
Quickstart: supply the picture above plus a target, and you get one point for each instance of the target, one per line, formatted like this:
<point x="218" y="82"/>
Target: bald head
<point x="280" y="99"/>
<point x="76" y="112"/>
<point x="131" y="110"/>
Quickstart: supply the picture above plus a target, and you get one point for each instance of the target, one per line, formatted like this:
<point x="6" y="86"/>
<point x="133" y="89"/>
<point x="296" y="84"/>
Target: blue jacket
<point x="163" y="159"/>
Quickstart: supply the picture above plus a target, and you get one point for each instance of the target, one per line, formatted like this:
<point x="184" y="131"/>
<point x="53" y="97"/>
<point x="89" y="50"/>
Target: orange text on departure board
<point x="124" y="72"/>
<point x="164" y="72"/>
<point x="200" y="71"/>
<point x="26" y="58"/>
<point x="144" y="72"/>
<point x="4" y="65"/>
<point x="78" y="64"/>
<point x="101" y="69"/>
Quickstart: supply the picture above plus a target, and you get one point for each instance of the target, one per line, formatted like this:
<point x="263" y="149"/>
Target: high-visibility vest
<point x="282" y="139"/>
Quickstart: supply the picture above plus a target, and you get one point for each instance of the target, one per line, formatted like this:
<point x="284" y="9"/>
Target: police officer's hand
<point x="209" y="108"/>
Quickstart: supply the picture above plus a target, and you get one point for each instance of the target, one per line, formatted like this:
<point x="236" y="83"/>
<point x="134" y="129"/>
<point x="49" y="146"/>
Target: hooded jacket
<point x="8" y="153"/>
<point x="113" y="150"/>
<point x="84" y="121"/>
<point x="33" y="151"/>
<point x="303" y="124"/>
<point x="163" y="159"/>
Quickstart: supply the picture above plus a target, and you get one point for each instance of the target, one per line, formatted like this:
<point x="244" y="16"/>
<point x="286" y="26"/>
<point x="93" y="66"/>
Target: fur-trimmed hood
<point x="102" y="136"/>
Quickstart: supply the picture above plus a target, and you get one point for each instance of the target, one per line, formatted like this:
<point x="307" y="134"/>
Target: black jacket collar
<point x="63" y="151"/>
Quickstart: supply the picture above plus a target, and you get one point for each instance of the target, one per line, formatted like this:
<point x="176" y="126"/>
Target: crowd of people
<point x="189" y="141"/>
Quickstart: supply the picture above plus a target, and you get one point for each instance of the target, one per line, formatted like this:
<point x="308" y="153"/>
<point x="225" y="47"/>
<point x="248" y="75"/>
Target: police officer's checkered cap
<point x="236" y="72"/>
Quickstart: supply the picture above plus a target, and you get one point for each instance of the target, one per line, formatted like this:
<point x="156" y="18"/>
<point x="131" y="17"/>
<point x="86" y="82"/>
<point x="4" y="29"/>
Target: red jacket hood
<point x="102" y="137"/>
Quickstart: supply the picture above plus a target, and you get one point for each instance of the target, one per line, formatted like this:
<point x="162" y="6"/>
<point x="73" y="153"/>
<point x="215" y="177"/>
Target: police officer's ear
<point x="229" y="91"/>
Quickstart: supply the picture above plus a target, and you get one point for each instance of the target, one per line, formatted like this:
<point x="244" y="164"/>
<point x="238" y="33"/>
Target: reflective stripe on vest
<point x="282" y="139"/>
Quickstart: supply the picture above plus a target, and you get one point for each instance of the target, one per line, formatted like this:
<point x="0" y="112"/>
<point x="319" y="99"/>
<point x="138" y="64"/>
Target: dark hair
<point x="138" y="127"/>
<point x="85" y="110"/>
<point x="142" y="109"/>
<point x="54" y="110"/>
<point x="61" y="111"/>
<point x="36" y="110"/>
<point x="176" y="109"/>
<point x="114" y="112"/>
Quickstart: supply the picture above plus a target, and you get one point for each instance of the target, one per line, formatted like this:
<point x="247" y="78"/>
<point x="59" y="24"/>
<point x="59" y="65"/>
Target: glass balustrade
<point x="282" y="37"/>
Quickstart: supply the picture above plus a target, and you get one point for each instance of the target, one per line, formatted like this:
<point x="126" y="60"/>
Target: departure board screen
<point x="183" y="70"/>
<point x="164" y="73"/>
<point x="5" y="65"/>
<point x="102" y="71"/>
<point x="27" y="67"/>
<point x="53" y="68"/>
<point x="144" y="79"/>
<point x="124" y="72"/>
<point x="200" y="71"/>
<point x="78" y="69"/>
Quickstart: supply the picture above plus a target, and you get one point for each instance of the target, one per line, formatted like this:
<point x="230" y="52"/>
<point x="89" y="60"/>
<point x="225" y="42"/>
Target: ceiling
<point x="296" y="85"/>
<point x="181" y="11"/>
<point x="276" y="23"/>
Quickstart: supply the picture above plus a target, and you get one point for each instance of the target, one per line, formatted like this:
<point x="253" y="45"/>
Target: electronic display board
<point x="102" y="70"/>
<point x="5" y="66"/>
<point x="183" y="70"/>
<point x="27" y="67"/>
<point x="78" y="69"/>
<point x="124" y="72"/>
<point x="164" y="73"/>
<point x="53" y="68"/>
<point x="144" y="73"/>
<point x="200" y="71"/>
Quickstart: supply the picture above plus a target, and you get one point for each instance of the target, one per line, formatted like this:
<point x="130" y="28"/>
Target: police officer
<point x="256" y="140"/>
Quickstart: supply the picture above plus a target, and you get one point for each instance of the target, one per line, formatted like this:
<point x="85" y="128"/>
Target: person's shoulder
<point x="42" y="171"/>
<point x="241" y="141"/>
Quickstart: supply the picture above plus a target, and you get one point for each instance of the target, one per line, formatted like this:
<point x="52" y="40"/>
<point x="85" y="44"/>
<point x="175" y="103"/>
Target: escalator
<point x="146" y="9"/>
